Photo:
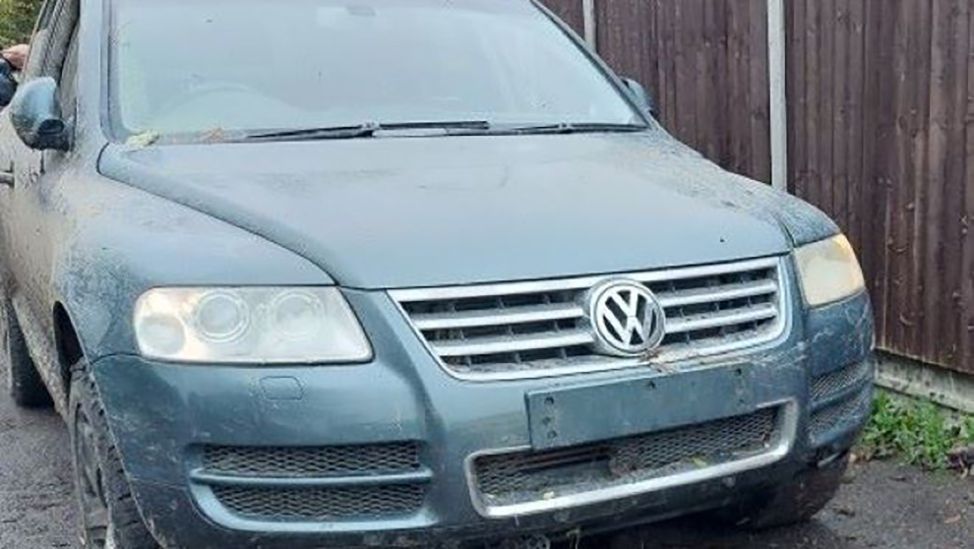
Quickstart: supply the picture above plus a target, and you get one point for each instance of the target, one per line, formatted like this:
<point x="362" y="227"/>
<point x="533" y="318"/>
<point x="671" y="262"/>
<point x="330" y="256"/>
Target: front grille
<point x="342" y="482"/>
<point x="320" y="504"/>
<point x="517" y="478"/>
<point x="540" y="328"/>
<point x="311" y="461"/>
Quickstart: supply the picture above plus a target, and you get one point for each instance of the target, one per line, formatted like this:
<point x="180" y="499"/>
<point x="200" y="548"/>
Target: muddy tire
<point x="109" y="516"/>
<point x="793" y="503"/>
<point x="23" y="382"/>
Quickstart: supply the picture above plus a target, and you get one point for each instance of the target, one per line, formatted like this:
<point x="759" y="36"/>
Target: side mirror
<point x="36" y="116"/>
<point x="8" y="84"/>
<point x="641" y="97"/>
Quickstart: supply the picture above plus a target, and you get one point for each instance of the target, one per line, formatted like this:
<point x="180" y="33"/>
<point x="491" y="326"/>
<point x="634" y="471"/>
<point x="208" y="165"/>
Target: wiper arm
<point x="367" y="129"/>
<point x="577" y="127"/>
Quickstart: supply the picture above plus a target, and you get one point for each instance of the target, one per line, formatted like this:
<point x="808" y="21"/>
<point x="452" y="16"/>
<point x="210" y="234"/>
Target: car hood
<point x="423" y="211"/>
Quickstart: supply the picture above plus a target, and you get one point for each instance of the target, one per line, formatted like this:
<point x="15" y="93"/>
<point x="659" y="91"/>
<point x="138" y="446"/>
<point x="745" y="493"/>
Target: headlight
<point x="829" y="271"/>
<point x="249" y="325"/>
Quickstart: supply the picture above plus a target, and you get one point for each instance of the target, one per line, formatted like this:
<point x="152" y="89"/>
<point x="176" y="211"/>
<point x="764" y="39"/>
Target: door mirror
<point x="8" y="84"/>
<point x="36" y="116"/>
<point x="641" y="97"/>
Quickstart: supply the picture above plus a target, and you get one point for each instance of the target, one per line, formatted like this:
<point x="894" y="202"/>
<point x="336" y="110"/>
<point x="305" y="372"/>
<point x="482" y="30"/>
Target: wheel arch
<point x="67" y="344"/>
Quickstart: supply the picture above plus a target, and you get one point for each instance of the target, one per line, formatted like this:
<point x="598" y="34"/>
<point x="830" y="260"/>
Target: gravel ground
<point x="883" y="504"/>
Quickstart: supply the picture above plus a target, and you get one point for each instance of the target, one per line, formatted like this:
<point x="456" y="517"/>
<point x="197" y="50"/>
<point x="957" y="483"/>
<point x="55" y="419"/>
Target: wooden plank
<point x="741" y="27"/>
<point x="966" y="329"/>
<point x="665" y="19"/>
<point x="897" y="239"/>
<point x="930" y="208"/>
<point x="854" y="124"/>
<point x="684" y="18"/>
<point x="726" y="77"/>
<point x="703" y="126"/>
<point x="875" y="130"/>
<point x="812" y="59"/>
<point x="759" y="92"/>
<point x="795" y="94"/>
<point x="951" y="307"/>
<point x="838" y="180"/>
<point x="715" y="29"/>
<point x="823" y="81"/>
<point x="917" y="191"/>
<point x="886" y="98"/>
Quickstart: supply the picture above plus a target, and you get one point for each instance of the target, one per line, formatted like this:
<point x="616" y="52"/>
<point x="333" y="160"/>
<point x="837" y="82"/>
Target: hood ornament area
<point x="627" y="318"/>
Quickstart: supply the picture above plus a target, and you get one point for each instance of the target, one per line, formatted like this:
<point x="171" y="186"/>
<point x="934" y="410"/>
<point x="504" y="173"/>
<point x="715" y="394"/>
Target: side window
<point x="52" y="38"/>
<point x="59" y="42"/>
<point x="40" y="39"/>
<point x="67" y="81"/>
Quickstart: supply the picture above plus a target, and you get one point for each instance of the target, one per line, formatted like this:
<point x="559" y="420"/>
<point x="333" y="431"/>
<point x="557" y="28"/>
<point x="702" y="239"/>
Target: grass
<point x="916" y="432"/>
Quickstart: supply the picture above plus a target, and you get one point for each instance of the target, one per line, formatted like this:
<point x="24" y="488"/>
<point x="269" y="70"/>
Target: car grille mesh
<point x="311" y="461"/>
<point x="836" y="404"/>
<point x="840" y="380"/>
<point x="528" y="329"/>
<point x="838" y="416"/>
<point x="320" y="503"/>
<point x="335" y="482"/>
<point x="520" y="477"/>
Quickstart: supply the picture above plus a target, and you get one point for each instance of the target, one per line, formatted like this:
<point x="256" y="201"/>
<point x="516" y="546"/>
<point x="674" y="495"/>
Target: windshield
<point x="204" y="66"/>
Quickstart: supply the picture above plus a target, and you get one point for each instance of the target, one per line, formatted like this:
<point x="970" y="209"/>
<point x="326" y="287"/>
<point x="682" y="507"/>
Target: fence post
<point x="778" y="94"/>
<point x="588" y="15"/>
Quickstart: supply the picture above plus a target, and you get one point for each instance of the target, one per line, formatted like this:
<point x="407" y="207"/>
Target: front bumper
<point x="161" y="415"/>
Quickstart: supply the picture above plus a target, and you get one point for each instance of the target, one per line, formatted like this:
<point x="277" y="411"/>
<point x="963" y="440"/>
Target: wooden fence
<point x="881" y="131"/>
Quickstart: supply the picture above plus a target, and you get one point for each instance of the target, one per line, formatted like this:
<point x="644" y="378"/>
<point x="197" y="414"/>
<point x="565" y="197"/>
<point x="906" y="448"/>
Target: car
<point x="404" y="273"/>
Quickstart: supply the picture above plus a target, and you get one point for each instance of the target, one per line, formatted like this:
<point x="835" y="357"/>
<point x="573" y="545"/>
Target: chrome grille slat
<point x="514" y="315"/>
<point x="707" y="295"/>
<point x="692" y="323"/>
<point x="540" y="328"/>
<point x="511" y="344"/>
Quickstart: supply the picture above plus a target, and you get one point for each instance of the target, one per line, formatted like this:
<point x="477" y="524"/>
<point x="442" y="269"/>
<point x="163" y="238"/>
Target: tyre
<point x="23" y="382"/>
<point x="792" y="503"/>
<point x="109" y="515"/>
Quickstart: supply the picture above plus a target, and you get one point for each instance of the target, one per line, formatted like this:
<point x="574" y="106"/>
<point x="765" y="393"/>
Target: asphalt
<point x="882" y="504"/>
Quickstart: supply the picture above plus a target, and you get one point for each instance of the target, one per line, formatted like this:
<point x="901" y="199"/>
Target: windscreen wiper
<point x="574" y="127"/>
<point x="367" y="129"/>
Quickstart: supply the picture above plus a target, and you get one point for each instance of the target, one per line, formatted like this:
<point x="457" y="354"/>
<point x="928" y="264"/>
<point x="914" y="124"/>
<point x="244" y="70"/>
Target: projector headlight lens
<point x="249" y="325"/>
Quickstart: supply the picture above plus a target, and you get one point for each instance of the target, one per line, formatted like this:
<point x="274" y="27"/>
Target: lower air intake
<point x="320" y="504"/>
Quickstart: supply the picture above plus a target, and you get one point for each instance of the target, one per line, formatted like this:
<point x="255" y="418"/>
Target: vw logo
<point x="627" y="318"/>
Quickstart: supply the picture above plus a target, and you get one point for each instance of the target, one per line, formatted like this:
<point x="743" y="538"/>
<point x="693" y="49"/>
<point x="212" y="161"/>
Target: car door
<point x="9" y="143"/>
<point x="30" y="204"/>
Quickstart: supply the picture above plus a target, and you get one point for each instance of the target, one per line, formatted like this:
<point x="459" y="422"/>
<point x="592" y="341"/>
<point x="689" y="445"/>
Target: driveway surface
<point x="883" y="505"/>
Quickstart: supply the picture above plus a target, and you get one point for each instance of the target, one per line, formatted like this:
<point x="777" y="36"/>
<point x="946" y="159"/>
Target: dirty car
<point x="404" y="273"/>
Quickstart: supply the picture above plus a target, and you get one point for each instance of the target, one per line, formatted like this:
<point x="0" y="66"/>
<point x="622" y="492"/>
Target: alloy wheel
<point x="97" y="528"/>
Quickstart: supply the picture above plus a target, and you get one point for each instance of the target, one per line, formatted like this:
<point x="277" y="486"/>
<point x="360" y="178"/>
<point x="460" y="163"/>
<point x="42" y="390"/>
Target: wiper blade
<point x="577" y="127"/>
<point x="368" y="129"/>
<point x="476" y="125"/>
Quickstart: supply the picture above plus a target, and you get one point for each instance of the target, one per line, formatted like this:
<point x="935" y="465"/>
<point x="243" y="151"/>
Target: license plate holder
<point x="579" y="414"/>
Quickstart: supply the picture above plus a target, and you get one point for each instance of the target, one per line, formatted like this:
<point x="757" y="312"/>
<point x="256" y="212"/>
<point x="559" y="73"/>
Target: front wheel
<point x="23" y="382"/>
<point x="109" y="516"/>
